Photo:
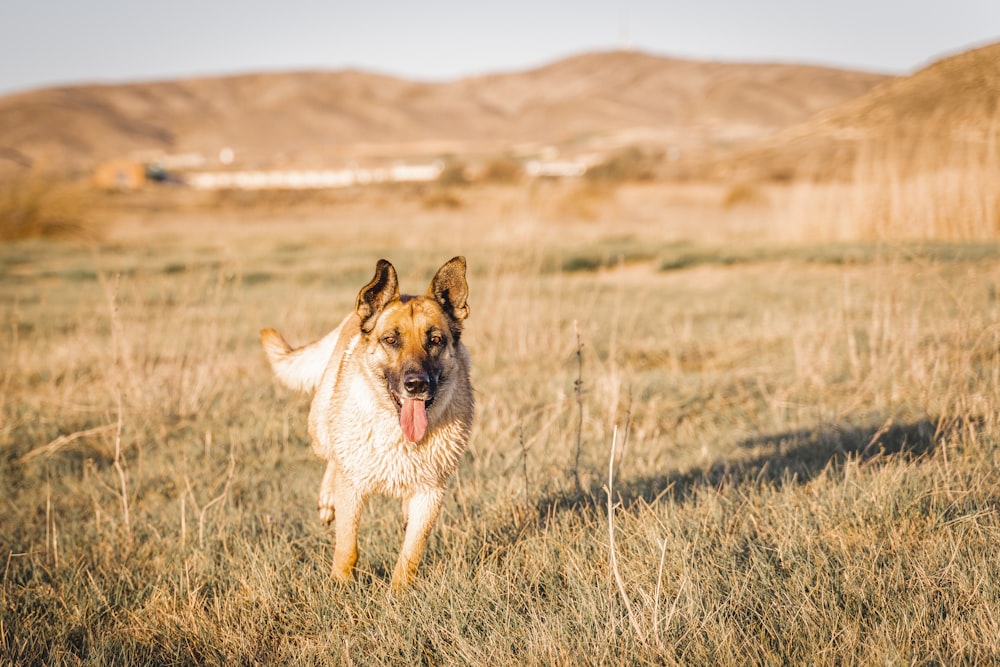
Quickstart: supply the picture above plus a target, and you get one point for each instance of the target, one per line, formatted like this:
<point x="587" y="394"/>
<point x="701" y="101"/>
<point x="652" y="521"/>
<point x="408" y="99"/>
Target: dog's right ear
<point x="376" y="295"/>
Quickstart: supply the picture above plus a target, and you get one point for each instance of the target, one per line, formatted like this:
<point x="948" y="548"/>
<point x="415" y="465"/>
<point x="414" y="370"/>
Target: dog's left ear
<point x="451" y="291"/>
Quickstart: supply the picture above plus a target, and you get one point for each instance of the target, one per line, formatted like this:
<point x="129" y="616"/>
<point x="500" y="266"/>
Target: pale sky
<point x="50" y="42"/>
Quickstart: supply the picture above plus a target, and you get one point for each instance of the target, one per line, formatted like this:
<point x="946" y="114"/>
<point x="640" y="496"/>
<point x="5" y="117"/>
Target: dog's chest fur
<point x="353" y="422"/>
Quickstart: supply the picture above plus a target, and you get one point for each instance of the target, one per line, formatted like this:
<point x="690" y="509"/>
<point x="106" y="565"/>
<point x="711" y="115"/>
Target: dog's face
<point x="411" y="341"/>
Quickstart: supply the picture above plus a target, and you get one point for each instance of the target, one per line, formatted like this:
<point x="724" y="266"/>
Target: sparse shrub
<point x="743" y="194"/>
<point x="442" y="198"/>
<point x="628" y="164"/>
<point x="585" y="201"/>
<point x="502" y="170"/>
<point x="453" y="174"/>
<point x="37" y="205"/>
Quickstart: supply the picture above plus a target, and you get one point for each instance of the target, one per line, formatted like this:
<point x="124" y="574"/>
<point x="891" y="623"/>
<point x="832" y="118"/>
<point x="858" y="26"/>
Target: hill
<point x="923" y="119"/>
<point x="313" y="118"/>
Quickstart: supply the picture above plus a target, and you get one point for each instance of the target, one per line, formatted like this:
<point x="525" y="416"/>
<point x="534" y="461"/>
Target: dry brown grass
<point x="951" y="194"/>
<point x="34" y="204"/>
<point x="804" y="466"/>
<point x="705" y="433"/>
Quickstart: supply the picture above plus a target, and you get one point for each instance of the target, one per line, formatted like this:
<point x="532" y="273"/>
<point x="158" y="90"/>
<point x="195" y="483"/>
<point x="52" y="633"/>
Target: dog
<point x="392" y="406"/>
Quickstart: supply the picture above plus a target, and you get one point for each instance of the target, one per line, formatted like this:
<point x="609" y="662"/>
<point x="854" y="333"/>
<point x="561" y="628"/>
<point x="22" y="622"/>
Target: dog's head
<point x="413" y="341"/>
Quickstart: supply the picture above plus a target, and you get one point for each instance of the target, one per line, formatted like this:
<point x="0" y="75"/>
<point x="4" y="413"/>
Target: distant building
<point x="305" y="179"/>
<point x="569" y="168"/>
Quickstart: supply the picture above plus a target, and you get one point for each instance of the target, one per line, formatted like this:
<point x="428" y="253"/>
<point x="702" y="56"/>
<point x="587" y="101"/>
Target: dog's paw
<point x="326" y="509"/>
<point x="326" y="513"/>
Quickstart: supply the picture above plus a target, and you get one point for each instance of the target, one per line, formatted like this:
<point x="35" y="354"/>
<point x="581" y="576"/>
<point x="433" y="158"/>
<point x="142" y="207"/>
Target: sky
<point x="56" y="42"/>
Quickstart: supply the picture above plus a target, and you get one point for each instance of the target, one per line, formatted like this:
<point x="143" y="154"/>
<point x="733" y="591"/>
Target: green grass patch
<point x="683" y="256"/>
<point x="256" y="278"/>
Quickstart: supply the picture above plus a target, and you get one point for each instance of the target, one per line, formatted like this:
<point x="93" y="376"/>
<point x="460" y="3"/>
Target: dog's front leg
<point x="327" y="489"/>
<point x="348" y="505"/>
<point x="421" y="511"/>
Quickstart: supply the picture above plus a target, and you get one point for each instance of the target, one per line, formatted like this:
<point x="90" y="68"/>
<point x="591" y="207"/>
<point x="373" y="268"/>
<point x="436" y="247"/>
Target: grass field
<point x="689" y="449"/>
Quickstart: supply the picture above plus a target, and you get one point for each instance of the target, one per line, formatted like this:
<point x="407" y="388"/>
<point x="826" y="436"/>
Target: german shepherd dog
<point x="392" y="406"/>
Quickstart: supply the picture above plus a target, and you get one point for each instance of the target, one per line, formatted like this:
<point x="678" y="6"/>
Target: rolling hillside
<point x="925" y="119"/>
<point x="313" y="118"/>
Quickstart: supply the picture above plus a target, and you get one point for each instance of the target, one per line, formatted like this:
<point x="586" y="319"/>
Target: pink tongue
<point x="413" y="419"/>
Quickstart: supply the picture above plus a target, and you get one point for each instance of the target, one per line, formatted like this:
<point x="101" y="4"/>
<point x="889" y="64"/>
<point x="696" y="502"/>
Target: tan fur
<point x="391" y="349"/>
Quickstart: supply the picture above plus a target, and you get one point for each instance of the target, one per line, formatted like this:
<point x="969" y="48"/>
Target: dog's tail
<point x="300" y="368"/>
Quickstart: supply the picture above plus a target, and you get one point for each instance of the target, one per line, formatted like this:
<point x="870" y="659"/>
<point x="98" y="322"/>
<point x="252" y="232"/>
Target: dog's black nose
<point x="415" y="383"/>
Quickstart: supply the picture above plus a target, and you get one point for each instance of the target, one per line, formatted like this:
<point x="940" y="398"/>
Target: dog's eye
<point x="436" y="340"/>
<point x="389" y="340"/>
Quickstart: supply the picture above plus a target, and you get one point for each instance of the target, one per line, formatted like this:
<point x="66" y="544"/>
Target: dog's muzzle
<point x="417" y="395"/>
